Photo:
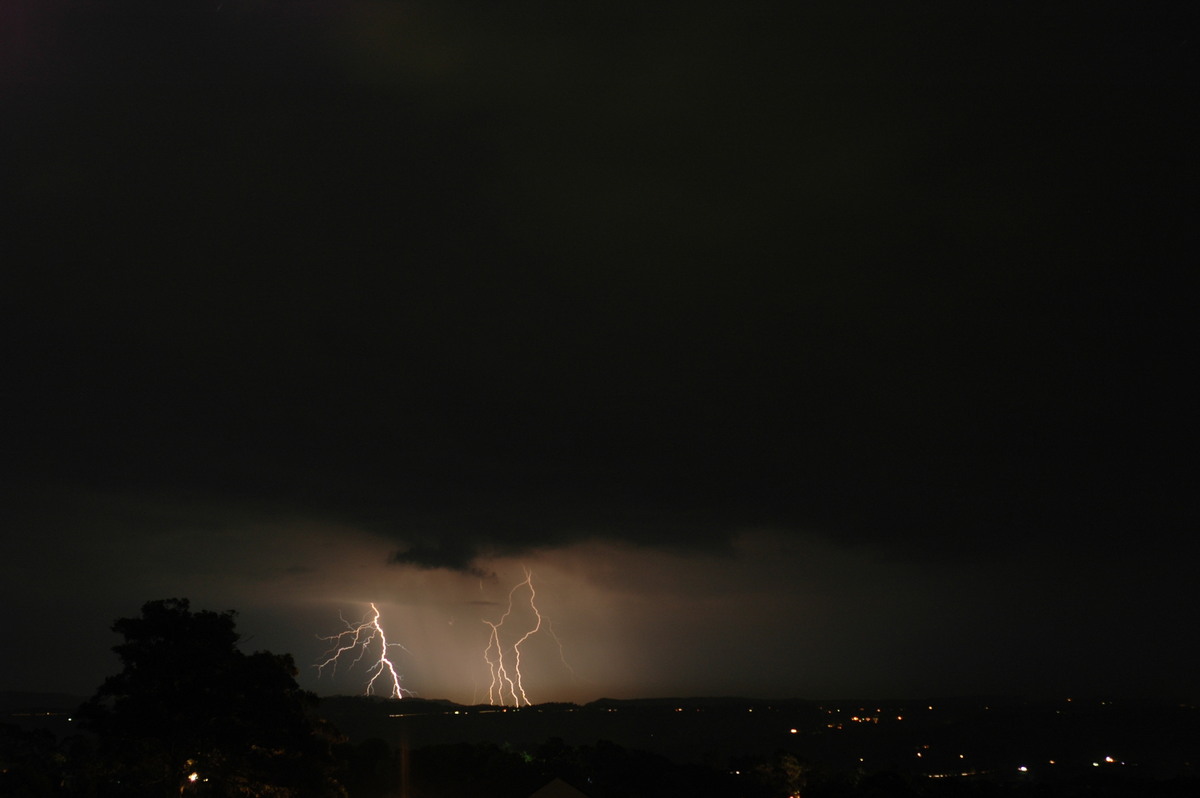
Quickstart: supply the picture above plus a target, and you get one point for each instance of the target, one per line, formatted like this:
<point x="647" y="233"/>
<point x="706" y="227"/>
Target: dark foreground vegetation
<point x="191" y="715"/>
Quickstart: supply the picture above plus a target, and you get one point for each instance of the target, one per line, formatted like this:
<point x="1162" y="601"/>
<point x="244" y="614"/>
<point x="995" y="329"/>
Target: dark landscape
<point x="730" y="746"/>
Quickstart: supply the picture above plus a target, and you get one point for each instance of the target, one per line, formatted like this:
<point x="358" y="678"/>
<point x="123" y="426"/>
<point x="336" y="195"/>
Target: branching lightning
<point x="363" y="637"/>
<point x="506" y="685"/>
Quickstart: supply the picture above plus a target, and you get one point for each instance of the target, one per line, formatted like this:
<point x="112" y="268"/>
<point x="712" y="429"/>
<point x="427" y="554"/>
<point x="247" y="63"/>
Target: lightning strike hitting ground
<point x="363" y="636"/>
<point x="506" y="684"/>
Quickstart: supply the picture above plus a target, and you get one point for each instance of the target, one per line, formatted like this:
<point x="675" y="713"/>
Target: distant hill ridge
<point x="17" y="701"/>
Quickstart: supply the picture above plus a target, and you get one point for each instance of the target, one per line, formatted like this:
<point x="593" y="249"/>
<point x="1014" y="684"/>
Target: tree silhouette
<point x="190" y="714"/>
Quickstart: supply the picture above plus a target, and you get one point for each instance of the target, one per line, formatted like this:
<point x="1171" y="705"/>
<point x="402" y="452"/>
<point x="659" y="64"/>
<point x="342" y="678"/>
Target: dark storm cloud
<point x="455" y="554"/>
<point x="694" y="278"/>
<point x="798" y="348"/>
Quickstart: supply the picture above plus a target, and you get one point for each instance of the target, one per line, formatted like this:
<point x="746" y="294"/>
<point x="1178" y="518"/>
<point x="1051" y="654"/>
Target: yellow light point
<point x="506" y="686"/>
<point x="362" y="637"/>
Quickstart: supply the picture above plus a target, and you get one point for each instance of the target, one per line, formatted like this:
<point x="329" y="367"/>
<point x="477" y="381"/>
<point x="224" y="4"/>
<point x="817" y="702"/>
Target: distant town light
<point x="1109" y="759"/>
<point x="1023" y="769"/>
<point x="193" y="776"/>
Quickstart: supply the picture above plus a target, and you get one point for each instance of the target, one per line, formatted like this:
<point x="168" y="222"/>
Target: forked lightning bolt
<point x="362" y="637"/>
<point x="506" y="685"/>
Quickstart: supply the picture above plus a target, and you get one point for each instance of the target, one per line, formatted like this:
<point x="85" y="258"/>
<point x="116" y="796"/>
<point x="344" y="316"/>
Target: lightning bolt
<point x="362" y="637"/>
<point x="506" y="684"/>
<point x="561" y="654"/>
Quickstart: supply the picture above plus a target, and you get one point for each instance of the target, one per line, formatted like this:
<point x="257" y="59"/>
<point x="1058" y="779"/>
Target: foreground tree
<point x="190" y="714"/>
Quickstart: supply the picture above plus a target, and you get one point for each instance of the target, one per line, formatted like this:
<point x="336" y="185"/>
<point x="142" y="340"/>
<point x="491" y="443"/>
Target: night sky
<point x="797" y="350"/>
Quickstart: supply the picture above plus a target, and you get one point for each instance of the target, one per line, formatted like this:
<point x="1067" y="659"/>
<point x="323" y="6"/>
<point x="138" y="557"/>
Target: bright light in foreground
<point x="193" y="776"/>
